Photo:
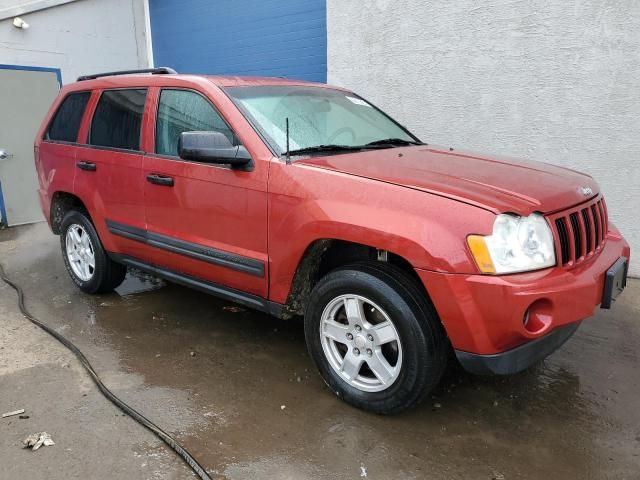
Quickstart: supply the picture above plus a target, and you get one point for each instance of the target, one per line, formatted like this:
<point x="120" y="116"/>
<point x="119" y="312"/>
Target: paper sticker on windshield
<point x="358" y="101"/>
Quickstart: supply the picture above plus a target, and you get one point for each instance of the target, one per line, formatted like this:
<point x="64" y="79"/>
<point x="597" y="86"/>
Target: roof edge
<point x="30" y="7"/>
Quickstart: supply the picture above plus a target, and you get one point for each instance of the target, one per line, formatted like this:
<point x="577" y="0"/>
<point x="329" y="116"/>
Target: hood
<point x="496" y="183"/>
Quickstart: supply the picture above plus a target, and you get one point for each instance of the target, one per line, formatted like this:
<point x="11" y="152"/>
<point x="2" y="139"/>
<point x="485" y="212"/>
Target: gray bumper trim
<point x="519" y="358"/>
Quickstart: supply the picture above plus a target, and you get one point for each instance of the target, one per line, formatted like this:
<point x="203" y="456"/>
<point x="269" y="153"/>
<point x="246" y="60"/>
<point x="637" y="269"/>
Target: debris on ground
<point x="193" y="354"/>
<point x="282" y="407"/>
<point x="363" y="470"/>
<point x="11" y="414"/>
<point x="23" y="417"/>
<point x="233" y="309"/>
<point x="36" y="440"/>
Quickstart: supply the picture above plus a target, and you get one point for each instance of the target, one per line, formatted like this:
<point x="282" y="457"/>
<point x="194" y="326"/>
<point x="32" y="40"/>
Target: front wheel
<point x="375" y="337"/>
<point x="85" y="259"/>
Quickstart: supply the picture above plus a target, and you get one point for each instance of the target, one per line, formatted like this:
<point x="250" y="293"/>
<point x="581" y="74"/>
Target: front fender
<point x="307" y="204"/>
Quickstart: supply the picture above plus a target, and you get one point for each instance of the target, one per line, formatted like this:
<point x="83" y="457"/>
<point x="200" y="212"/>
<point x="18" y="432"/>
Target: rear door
<point x="109" y="163"/>
<point x="207" y="221"/>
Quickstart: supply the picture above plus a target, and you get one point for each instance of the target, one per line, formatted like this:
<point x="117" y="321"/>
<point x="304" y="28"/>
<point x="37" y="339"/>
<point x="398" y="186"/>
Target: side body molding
<point x="193" y="250"/>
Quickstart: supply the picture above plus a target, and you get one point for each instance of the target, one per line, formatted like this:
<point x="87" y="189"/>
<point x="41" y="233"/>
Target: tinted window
<point x="184" y="111"/>
<point x="118" y="118"/>
<point x="66" y="122"/>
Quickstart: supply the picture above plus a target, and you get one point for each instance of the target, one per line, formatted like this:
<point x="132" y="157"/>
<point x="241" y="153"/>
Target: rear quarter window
<point x="118" y="119"/>
<point x="66" y="121"/>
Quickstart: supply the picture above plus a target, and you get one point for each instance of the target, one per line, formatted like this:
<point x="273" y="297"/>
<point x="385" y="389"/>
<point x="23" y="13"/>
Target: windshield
<point x="320" y="119"/>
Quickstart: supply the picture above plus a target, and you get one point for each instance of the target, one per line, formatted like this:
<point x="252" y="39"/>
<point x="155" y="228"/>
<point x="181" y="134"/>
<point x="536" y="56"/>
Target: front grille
<point x="564" y="239"/>
<point x="575" y="228"/>
<point x="580" y="231"/>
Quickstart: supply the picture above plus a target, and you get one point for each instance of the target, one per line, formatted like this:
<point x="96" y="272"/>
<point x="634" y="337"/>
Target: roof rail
<point x="155" y="71"/>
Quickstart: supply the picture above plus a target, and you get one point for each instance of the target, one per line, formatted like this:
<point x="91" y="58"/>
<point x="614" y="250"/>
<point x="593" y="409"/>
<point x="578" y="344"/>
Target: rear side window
<point x="66" y="121"/>
<point x="118" y="119"/>
<point x="185" y="111"/>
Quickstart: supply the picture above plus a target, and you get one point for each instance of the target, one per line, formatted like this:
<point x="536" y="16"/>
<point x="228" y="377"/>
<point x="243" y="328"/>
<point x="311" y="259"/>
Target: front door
<point x="26" y="93"/>
<point x="204" y="220"/>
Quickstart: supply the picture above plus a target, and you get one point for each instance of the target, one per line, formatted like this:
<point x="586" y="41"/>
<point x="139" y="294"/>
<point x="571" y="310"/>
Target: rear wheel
<point x="375" y="337"/>
<point x="85" y="259"/>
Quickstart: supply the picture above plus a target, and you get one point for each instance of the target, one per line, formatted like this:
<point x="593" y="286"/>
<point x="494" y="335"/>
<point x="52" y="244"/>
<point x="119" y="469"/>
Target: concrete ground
<point x="575" y="416"/>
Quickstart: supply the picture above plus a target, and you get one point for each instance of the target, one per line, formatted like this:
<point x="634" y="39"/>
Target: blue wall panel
<point x="243" y="37"/>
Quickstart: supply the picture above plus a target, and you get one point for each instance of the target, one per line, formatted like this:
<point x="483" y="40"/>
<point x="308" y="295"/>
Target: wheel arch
<point x="61" y="203"/>
<point x="326" y="254"/>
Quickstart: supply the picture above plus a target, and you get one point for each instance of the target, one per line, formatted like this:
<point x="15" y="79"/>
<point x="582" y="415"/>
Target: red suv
<point x="296" y="198"/>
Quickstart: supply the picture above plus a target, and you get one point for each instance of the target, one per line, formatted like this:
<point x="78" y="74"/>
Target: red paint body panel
<point x="309" y="203"/>
<point x="215" y="207"/>
<point x="500" y="184"/>
<point x="418" y="202"/>
<point x="55" y="172"/>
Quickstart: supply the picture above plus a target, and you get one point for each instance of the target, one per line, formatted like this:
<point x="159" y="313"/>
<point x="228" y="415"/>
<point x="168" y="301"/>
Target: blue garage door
<point x="242" y="37"/>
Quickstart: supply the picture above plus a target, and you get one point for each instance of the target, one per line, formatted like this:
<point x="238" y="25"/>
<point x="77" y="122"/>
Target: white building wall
<point x="550" y="80"/>
<point x="80" y="37"/>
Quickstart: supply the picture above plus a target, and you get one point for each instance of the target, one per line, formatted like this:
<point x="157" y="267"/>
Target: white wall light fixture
<point x="20" y="23"/>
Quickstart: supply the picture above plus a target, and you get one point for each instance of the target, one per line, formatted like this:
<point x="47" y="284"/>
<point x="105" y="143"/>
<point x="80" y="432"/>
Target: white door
<point x="26" y="93"/>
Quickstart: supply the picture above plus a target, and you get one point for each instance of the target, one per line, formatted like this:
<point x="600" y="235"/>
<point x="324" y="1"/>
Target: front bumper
<point x="487" y="317"/>
<point x="519" y="358"/>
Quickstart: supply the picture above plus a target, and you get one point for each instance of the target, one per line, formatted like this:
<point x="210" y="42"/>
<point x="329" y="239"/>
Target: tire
<point x="105" y="274"/>
<point x="418" y="356"/>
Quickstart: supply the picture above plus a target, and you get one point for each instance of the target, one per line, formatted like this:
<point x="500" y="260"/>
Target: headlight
<point x="517" y="244"/>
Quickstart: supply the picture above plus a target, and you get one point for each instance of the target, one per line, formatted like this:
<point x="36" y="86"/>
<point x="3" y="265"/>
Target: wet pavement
<point x="237" y="388"/>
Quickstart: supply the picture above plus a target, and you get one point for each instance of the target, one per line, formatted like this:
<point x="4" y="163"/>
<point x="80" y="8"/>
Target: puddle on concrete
<point x="139" y="282"/>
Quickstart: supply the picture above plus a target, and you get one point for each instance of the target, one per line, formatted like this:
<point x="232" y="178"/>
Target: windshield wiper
<point x="384" y="143"/>
<point x="326" y="148"/>
<point x="395" y="142"/>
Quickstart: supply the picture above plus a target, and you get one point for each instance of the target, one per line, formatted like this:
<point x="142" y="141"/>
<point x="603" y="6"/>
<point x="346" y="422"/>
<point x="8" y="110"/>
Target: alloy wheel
<point x="80" y="252"/>
<point x="361" y="343"/>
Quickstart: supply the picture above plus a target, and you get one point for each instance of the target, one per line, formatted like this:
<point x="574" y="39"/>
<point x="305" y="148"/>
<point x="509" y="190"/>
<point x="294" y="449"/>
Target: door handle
<point x="86" y="166"/>
<point x="160" y="180"/>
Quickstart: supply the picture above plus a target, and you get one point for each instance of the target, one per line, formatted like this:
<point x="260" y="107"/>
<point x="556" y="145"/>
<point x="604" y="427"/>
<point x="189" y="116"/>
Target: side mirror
<point x="213" y="147"/>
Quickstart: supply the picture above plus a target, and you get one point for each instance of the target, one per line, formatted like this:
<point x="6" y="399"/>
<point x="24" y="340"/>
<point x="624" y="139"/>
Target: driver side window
<point x="185" y="111"/>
